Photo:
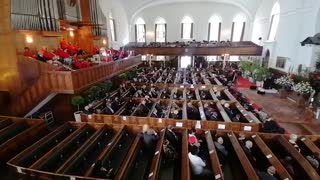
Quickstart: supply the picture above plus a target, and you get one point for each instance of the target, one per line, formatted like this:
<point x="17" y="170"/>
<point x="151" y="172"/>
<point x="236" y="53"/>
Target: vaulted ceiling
<point x="133" y="7"/>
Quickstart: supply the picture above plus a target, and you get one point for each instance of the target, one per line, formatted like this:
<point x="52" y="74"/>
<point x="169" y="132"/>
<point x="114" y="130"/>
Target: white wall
<point x="200" y="12"/>
<point x="297" y="22"/>
<point x="121" y="22"/>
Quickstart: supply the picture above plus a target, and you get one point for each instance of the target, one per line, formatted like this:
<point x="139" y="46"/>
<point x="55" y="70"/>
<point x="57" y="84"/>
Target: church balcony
<point x="232" y="49"/>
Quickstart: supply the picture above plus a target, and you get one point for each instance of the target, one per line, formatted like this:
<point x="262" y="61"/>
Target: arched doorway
<point x="266" y="58"/>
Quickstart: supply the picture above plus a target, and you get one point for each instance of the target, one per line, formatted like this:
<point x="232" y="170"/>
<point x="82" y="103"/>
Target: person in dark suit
<point x="269" y="175"/>
<point x="109" y="110"/>
<point x="192" y="111"/>
<point x="150" y="138"/>
<point x="228" y="110"/>
<point x="171" y="136"/>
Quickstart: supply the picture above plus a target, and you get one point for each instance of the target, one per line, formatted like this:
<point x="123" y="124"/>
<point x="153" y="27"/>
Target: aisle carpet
<point x="243" y="83"/>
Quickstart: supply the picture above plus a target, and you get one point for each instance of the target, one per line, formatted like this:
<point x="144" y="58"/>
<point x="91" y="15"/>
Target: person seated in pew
<point x="169" y="151"/>
<point x="165" y="94"/>
<point x="314" y="160"/>
<point x="171" y="136"/>
<point x="247" y="148"/>
<point x="153" y="93"/>
<point x="229" y="111"/>
<point x="210" y="113"/>
<point x="142" y="110"/>
<point x="288" y="164"/>
<point x="192" y="111"/>
<point x="261" y="115"/>
<point x="189" y="95"/>
<point x="271" y="126"/>
<point x="108" y="109"/>
<point x="269" y="175"/>
<point x="198" y="166"/>
<point x="220" y="147"/>
<point x="293" y="142"/>
<point x="116" y="104"/>
<point x="100" y="170"/>
<point x="86" y="110"/>
<point x="150" y="138"/>
<point x="217" y="93"/>
<point x="193" y="140"/>
<point x="122" y="88"/>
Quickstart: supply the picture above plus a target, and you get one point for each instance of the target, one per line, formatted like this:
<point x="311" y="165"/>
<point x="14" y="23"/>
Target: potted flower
<point x="77" y="101"/>
<point x="286" y="83"/>
<point x="304" y="90"/>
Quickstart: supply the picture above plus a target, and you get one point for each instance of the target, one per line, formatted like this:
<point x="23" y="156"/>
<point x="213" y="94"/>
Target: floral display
<point x="303" y="88"/>
<point x="285" y="82"/>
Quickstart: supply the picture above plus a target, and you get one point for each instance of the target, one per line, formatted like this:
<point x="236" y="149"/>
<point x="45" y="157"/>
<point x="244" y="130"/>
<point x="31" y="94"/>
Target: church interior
<point x="160" y="89"/>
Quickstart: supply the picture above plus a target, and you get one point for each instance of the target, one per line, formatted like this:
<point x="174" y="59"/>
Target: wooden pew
<point x="274" y="161"/>
<point x="185" y="169"/>
<point x="310" y="144"/>
<point x="108" y="156"/>
<point x="89" y="154"/>
<point x="302" y="161"/>
<point x="223" y="113"/>
<point x="242" y="157"/>
<point x="4" y="123"/>
<point x="22" y="140"/>
<point x="129" y="157"/>
<point x="27" y="157"/>
<point x="216" y="168"/>
<point x="155" y="164"/>
<point x="45" y="161"/>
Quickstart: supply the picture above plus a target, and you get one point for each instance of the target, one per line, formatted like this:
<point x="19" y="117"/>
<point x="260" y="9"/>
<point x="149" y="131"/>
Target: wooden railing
<point x="68" y="82"/>
<point x="199" y="51"/>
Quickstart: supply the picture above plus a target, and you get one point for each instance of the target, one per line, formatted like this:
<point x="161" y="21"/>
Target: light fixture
<point x="29" y="39"/>
<point x="71" y="34"/>
<point x="150" y="33"/>
<point x="104" y="42"/>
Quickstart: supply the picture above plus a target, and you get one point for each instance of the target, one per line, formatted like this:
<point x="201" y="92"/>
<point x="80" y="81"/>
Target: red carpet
<point x="243" y="83"/>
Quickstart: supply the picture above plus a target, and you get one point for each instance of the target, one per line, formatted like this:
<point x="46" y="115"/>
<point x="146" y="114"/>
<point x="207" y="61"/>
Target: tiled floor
<point x="287" y="113"/>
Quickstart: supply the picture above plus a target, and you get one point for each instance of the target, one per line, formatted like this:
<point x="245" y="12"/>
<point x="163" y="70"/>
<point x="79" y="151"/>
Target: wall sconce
<point x="71" y="34"/>
<point x="104" y="42"/>
<point x="150" y="33"/>
<point x="29" y="39"/>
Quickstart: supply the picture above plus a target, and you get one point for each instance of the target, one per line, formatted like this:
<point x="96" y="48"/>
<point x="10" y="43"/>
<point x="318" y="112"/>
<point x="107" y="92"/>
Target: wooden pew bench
<point x="114" y="156"/>
<point x="52" y="160"/>
<point x="282" y="149"/>
<point x="81" y="161"/>
<point x="235" y="163"/>
<point x="4" y="123"/>
<point x="170" y="169"/>
<point x="27" y="157"/>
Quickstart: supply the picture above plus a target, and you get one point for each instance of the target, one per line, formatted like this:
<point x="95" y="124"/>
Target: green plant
<point x="261" y="73"/>
<point x="123" y="76"/>
<point x="105" y="86"/>
<point x="95" y="91"/>
<point x="77" y="101"/>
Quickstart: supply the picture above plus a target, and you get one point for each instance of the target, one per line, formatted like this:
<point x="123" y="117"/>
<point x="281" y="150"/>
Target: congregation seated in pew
<point x="176" y="111"/>
<point x="211" y="112"/>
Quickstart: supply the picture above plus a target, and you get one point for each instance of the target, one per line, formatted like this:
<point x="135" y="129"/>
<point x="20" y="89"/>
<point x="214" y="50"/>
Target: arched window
<point x="214" y="29"/>
<point x="238" y="28"/>
<point x="160" y="30"/>
<point x="275" y="18"/>
<point x="140" y="28"/>
<point x="112" y="28"/>
<point x="186" y="28"/>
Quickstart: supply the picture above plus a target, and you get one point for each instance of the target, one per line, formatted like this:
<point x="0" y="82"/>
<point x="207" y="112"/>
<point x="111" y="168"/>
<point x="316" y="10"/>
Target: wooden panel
<point x="216" y="168"/>
<point x="185" y="164"/>
<point x="199" y="51"/>
<point x="274" y="161"/>
<point x="295" y="154"/>
<point x="155" y="163"/>
<point x="242" y="157"/>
